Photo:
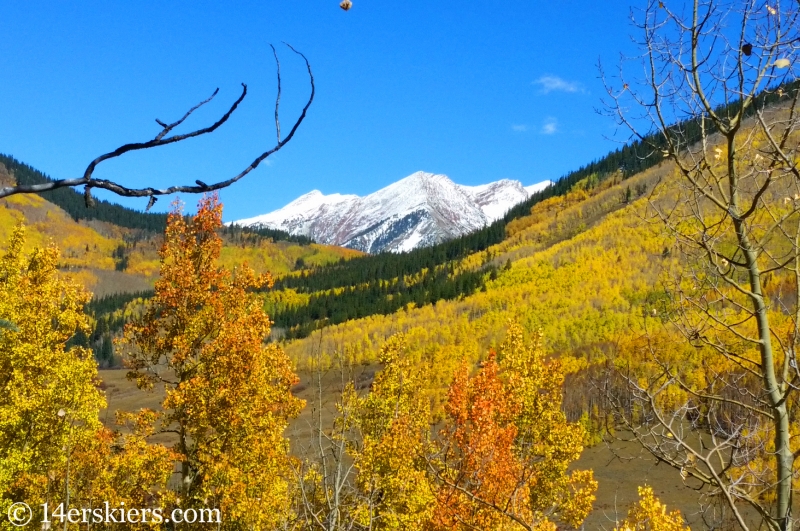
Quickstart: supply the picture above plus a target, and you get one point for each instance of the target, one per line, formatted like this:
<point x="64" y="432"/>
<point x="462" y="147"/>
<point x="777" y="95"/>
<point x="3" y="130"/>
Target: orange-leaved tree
<point x="228" y="399"/>
<point x="507" y="447"/>
<point x="118" y="468"/>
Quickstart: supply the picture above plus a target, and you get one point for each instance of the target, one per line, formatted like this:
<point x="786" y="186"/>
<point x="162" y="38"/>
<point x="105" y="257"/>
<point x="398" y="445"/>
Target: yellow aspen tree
<point x="546" y="442"/>
<point x="49" y="400"/>
<point x="649" y="514"/>
<point x="228" y="399"/>
<point x="394" y="422"/>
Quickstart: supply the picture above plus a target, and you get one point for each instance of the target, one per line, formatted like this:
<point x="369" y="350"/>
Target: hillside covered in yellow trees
<point x="583" y="289"/>
<point x="642" y="311"/>
<point x="113" y="258"/>
<point x="512" y="344"/>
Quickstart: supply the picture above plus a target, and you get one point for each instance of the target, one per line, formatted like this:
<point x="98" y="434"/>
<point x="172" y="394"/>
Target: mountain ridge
<point x="419" y="210"/>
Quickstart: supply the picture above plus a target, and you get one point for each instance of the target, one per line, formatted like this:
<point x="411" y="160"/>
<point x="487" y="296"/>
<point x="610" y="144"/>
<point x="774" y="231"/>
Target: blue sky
<point x="479" y="91"/>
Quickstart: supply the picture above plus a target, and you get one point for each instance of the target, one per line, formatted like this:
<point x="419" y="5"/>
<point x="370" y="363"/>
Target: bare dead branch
<point x="89" y="182"/>
<point x="278" y="97"/>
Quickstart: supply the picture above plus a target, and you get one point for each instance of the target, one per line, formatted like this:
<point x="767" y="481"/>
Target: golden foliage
<point x="49" y="401"/>
<point x="585" y="294"/>
<point x="649" y="514"/>
<point x="228" y="393"/>
<point x="52" y="446"/>
<point x="394" y="421"/>
<point x="508" y="446"/>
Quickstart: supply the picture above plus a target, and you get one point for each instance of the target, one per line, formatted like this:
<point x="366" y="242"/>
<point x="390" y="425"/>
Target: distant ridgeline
<point x="74" y="204"/>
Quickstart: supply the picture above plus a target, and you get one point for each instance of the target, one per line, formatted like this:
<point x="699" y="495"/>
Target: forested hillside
<point x="113" y="250"/>
<point x="618" y="352"/>
<point x="582" y="268"/>
<point x="117" y="247"/>
<point x="382" y="284"/>
<point x="580" y="271"/>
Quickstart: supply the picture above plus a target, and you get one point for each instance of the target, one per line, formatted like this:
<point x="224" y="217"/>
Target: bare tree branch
<point x="89" y="182"/>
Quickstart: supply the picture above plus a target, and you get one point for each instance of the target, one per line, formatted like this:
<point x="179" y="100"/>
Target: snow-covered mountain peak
<point x="418" y="210"/>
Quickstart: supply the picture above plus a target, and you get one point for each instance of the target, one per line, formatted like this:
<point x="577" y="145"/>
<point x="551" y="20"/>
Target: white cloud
<point x="550" y="126"/>
<point x="552" y="83"/>
<point x="519" y="128"/>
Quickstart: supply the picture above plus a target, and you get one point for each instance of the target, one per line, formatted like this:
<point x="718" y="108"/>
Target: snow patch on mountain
<point x="298" y="217"/>
<point x="538" y="187"/>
